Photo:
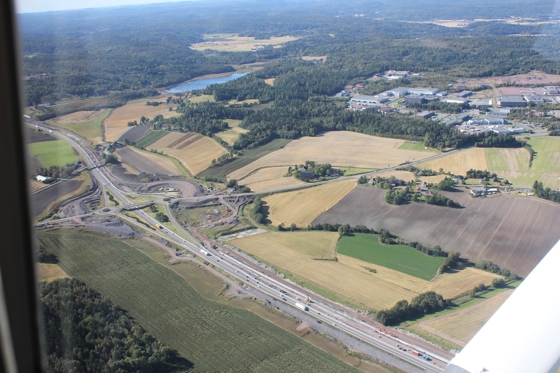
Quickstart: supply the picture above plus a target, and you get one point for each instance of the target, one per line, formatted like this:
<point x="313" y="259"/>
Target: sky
<point x="31" y="6"/>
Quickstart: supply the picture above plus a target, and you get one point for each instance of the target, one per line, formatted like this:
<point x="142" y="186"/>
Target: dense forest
<point x="86" y="332"/>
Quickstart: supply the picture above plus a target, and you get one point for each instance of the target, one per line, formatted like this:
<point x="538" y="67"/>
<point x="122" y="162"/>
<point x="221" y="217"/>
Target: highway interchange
<point x="252" y="274"/>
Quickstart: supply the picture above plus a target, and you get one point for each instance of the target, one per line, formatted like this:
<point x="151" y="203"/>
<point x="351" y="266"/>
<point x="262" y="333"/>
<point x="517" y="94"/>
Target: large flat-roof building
<point x="512" y="101"/>
<point x="423" y="91"/>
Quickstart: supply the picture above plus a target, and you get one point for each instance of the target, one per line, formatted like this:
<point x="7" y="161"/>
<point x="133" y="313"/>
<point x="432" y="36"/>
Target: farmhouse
<point x="512" y="101"/>
<point x="477" y="192"/>
<point x="306" y="175"/>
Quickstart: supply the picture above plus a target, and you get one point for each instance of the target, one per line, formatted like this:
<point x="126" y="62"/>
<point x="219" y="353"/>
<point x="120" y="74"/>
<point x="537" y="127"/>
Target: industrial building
<point x="368" y="100"/>
<point x="423" y="91"/>
<point x="411" y="100"/>
<point x="481" y="103"/>
<point x="424" y="114"/>
<point x="512" y="101"/>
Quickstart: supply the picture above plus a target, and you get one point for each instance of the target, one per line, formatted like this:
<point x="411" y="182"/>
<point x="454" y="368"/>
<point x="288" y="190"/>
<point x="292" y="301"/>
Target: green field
<point x="53" y="153"/>
<point x="401" y="258"/>
<point x="149" y="138"/>
<point x="89" y="130"/>
<point x="248" y="156"/>
<point x="416" y="146"/>
<point x="349" y="171"/>
<point x="215" y="337"/>
<point x="513" y="164"/>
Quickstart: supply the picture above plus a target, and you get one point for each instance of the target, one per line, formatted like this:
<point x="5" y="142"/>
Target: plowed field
<point x="146" y="162"/>
<point x="339" y="148"/>
<point x="513" y="232"/>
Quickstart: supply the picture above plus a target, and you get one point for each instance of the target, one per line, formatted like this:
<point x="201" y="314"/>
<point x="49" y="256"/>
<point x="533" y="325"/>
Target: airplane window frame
<point x="19" y="318"/>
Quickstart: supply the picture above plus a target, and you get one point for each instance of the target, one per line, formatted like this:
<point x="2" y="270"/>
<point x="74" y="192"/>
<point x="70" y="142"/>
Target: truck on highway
<point x="159" y="226"/>
<point x="426" y="357"/>
<point x="302" y="306"/>
<point x="416" y="353"/>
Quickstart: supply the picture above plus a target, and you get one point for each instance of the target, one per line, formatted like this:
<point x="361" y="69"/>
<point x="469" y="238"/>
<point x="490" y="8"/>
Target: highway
<point x="252" y="275"/>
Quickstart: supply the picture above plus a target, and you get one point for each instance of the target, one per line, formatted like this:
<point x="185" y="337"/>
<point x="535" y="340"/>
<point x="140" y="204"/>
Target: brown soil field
<point x="35" y="185"/>
<point x="239" y="43"/>
<point x="535" y="77"/>
<point x="43" y="198"/>
<point x="77" y="117"/>
<point x="513" y="232"/>
<point x="460" y="162"/>
<point x="116" y="123"/>
<point x="145" y="162"/>
<point x="196" y="157"/>
<point x="460" y="326"/>
<point x="270" y="81"/>
<point x="269" y="179"/>
<point x="36" y="136"/>
<point x="134" y="133"/>
<point x="296" y="252"/>
<point x="301" y="207"/>
<point x="339" y="148"/>
<point x="49" y="272"/>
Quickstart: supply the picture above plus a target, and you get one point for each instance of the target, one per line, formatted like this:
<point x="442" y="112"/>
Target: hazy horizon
<point x="40" y="6"/>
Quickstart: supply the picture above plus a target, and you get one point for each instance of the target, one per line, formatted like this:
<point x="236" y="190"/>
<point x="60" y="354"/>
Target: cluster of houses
<point x="481" y="192"/>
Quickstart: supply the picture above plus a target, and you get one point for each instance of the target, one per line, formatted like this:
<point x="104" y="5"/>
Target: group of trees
<point x="85" y="332"/>
<point x="56" y="172"/>
<point x="423" y="304"/>
<point x="450" y="262"/>
<point x="439" y="200"/>
<point x="478" y="174"/>
<point x="259" y="212"/>
<point x="499" y="141"/>
<point x="397" y="196"/>
<point x="546" y="193"/>
<point x="487" y="265"/>
<point x="232" y="183"/>
<point x="447" y="184"/>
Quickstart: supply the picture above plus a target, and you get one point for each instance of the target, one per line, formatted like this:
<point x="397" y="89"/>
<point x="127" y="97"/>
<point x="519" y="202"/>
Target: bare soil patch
<point x="35" y="185"/>
<point x="513" y="232"/>
<point x="38" y="136"/>
<point x="49" y="272"/>
<point x="43" y="198"/>
<point x="142" y="163"/>
<point x="134" y="133"/>
<point x="239" y="43"/>
<point x="535" y="77"/>
<point x="339" y="148"/>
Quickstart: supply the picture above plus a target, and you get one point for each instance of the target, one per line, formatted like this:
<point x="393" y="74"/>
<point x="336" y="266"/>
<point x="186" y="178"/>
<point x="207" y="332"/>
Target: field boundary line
<point x="258" y="169"/>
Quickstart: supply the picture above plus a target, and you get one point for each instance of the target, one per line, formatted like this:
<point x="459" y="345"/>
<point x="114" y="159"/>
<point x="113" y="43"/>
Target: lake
<point x="203" y="83"/>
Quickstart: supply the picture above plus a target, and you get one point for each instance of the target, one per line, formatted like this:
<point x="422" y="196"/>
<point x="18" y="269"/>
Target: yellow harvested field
<point x="195" y="151"/>
<point x="77" y="117"/>
<point x="270" y="81"/>
<point x="432" y="179"/>
<point x="269" y="179"/>
<point x="117" y="123"/>
<point x="339" y="148"/>
<point x="296" y="252"/>
<point x="460" y="326"/>
<point x="401" y="175"/>
<point x="248" y="101"/>
<point x="234" y="43"/>
<point x="160" y="160"/>
<point x="49" y="272"/>
<point x="460" y="162"/>
<point x="301" y="207"/>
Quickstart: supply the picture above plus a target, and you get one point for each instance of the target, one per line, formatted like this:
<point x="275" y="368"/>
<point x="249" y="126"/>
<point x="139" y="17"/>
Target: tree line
<point x="423" y="304"/>
<point x="546" y="193"/>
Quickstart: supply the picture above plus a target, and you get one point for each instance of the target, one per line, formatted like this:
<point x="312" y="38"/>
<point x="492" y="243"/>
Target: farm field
<point x="513" y="164"/>
<point x="197" y="215"/>
<point x="301" y="207"/>
<point x="339" y="148"/>
<point x="270" y="178"/>
<point x="416" y="145"/>
<point x="349" y="171"/>
<point x="230" y="136"/>
<point x="270" y="81"/>
<point x="134" y="133"/>
<point x="432" y="179"/>
<point x="49" y="272"/>
<point x="117" y="123"/>
<point x="202" y="98"/>
<point x="311" y="58"/>
<point x="349" y="278"/>
<point x="401" y="258"/>
<point x="83" y="123"/>
<point x="460" y="326"/>
<point x="35" y="186"/>
<point x="48" y="196"/>
<point x="235" y="43"/>
<point x="460" y="162"/>
<point x="53" y="153"/>
<point x="195" y="151"/>
<point x="401" y="175"/>
<point x="179" y="316"/>
<point x="249" y="155"/>
<point x="147" y="162"/>
<point x="513" y="232"/>
<point x="37" y="136"/>
<point x="150" y="138"/>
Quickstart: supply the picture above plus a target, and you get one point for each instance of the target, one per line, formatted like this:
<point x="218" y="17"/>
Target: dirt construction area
<point x="513" y="232"/>
<point x="535" y="77"/>
<point x="339" y="148"/>
<point x="298" y="253"/>
<point x="148" y="163"/>
<point x="195" y="151"/>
